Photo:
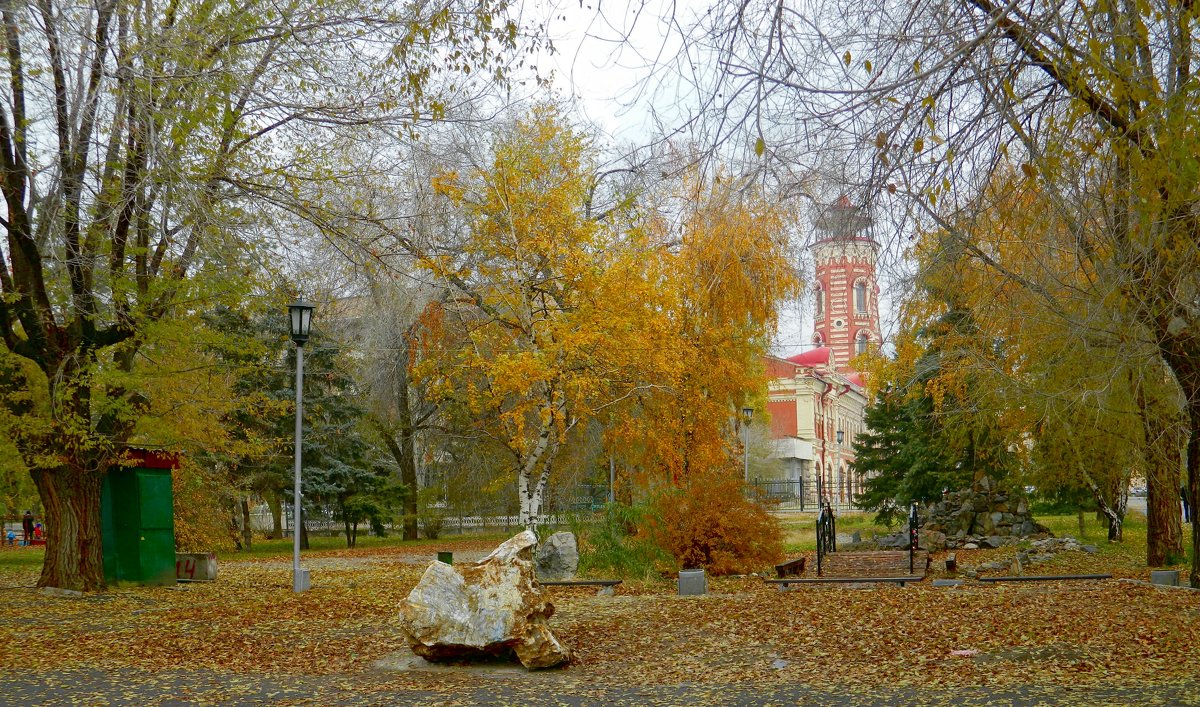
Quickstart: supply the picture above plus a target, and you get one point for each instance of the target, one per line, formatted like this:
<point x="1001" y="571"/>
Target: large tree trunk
<point x="1187" y="373"/>
<point x="276" y="506"/>
<point x="404" y="454"/>
<point x="1164" y="535"/>
<point x="247" y="531"/>
<point x="408" y="455"/>
<point x="74" y="552"/>
<point x="1161" y="450"/>
<point x="302" y="528"/>
<point x="1193" y="486"/>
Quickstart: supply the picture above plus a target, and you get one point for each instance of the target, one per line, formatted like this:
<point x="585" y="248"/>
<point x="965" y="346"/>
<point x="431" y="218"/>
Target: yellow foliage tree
<point x="652" y="329"/>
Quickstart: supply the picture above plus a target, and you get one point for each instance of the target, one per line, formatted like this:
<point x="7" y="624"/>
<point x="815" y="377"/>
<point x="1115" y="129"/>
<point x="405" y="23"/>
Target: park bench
<point x="1044" y="577"/>
<point x="900" y="580"/>
<point x="791" y="568"/>
<point x="580" y="583"/>
<point x="606" y="585"/>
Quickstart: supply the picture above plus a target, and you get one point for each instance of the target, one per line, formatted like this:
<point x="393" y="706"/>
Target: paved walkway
<point x="550" y="688"/>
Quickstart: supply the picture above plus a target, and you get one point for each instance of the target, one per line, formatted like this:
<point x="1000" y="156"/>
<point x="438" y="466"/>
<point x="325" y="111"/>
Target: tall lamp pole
<point x="838" y="463"/>
<point x="747" y="417"/>
<point x="300" y="319"/>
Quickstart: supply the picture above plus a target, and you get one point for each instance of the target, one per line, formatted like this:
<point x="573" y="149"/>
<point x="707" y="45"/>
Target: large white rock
<point x="488" y="608"/>
<point x="558" y="557"/>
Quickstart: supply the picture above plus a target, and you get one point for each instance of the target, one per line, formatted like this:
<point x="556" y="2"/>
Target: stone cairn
<point x="977" y="516"/>
<point x="981" y="516"/>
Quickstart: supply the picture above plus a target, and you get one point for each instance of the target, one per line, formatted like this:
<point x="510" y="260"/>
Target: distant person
<point x="1187" y="507"/>
<point x="27" y="526"/>
<point x="12" y="538"/>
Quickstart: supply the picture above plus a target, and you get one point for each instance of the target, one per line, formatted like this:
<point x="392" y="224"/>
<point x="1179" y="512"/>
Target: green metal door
<point x="138" y="522"/>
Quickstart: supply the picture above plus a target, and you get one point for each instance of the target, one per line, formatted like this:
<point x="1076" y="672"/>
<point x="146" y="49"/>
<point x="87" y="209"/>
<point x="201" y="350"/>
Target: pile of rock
<point x="981" y="516"/>
<point x="1039" y="552"/>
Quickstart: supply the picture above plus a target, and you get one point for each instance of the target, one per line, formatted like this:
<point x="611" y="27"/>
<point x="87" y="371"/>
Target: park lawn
<point x="743" y="632"/>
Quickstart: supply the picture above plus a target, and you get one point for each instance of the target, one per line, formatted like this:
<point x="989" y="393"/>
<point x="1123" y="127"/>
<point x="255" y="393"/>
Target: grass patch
<point x="22" y="557"/>
<point x="333" y="543"/>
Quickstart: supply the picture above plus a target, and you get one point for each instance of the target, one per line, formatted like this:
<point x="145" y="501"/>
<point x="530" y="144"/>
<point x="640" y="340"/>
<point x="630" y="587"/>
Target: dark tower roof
<point x="842" y="221"/>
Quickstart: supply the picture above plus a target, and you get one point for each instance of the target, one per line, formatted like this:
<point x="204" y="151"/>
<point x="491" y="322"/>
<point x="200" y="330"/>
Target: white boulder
<point x="488" y="608"/>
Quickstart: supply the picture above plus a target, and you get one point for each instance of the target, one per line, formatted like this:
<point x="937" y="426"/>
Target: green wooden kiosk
<point x="138" y="519"/>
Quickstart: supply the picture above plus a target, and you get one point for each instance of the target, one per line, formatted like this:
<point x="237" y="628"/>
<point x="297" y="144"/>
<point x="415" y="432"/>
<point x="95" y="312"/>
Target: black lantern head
<point x="300" y="318"/>
<point x="748" y="414"/>
<point x="840" y="436"/>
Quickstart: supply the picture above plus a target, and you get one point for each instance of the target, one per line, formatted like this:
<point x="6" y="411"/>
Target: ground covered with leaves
<point x="248" y="637"/>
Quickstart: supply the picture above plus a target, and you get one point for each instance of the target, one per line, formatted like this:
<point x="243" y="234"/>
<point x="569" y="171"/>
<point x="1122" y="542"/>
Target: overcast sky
<point x="611" y="61"/>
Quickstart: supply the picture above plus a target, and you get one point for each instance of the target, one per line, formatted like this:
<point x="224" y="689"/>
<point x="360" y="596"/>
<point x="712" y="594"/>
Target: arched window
<point x="860" y="343"/>
<point x="819" y="296"/>
<point x="818" y="340"/>
<point x="860" y="297"/>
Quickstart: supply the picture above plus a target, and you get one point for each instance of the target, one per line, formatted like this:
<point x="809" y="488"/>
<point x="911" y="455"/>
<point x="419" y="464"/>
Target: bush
<point x="620" y="545"/>
<point x="710" y="523"/>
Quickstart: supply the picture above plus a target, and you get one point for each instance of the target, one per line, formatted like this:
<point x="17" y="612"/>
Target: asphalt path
<point x="128" y="687"/>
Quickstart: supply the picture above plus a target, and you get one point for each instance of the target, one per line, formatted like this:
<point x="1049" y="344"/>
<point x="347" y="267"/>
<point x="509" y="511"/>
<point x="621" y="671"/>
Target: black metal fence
<point x="800" y="495"/>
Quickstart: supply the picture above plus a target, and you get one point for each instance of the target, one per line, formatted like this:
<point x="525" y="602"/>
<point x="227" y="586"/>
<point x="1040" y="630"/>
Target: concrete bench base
<point x="195" y="566"/>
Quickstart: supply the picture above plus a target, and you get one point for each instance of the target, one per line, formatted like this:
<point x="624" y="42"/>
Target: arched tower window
<point x="860" y="343"/>
<point x="860" y="296"/>
<point x="818" y="340"/>
<point x="819" y="296"/>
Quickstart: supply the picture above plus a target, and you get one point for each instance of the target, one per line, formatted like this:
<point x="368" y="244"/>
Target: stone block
<point x="947" y="582"/>
<point x="1167" y="578"/>
<point x="195" y="566"/>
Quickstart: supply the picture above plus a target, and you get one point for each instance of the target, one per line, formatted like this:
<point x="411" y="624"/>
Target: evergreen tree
<point x="917" y="445"/>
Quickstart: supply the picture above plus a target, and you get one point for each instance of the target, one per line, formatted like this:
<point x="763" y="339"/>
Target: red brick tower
<point x="846" y="294"/>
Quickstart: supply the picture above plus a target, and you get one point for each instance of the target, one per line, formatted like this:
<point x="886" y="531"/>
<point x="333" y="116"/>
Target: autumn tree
<point x="142" y="149"/>
<point x="924" y="101"/>
<point x="537" y="290"/>
<point x="1086" y="384"/>
<point x="644" y="311"/>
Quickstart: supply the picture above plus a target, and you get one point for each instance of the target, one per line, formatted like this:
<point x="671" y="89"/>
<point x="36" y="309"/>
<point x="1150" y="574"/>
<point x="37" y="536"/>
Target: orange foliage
<point x="708" y="522"/>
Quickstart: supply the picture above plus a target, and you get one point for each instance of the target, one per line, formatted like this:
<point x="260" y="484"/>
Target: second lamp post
<point x="300" y="319"/>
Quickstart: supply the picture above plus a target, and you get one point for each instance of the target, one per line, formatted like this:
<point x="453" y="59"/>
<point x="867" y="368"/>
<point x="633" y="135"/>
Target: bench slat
<point x="581" y="583"/>
<point x="845" y="580"/>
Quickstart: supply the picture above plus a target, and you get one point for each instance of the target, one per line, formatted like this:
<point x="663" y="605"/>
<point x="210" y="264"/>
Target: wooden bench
<point x="580" y="583"/>
<point x="876" y="563"/>
<point x="901" y="580"/>
<point x="1044" y="577"/>
<point x="791" y="568"/>
<point x="606" y="585"/>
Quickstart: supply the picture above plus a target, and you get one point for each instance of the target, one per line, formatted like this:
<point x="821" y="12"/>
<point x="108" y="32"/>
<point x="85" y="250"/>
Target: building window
<point x="860" y="344"/>
<point x="819" y="296"/>
<point x="860" y="297"/>
<point x="817" y="340"/>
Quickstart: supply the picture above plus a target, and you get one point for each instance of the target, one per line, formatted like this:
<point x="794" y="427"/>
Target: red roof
<point x="818" y="356"/>
<point x="856" y="378"/>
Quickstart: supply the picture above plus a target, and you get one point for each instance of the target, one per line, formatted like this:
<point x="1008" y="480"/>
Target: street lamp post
<point x="838" y="463"/>
<point x="747" y="417"/>
<point x="300" y="319"/>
